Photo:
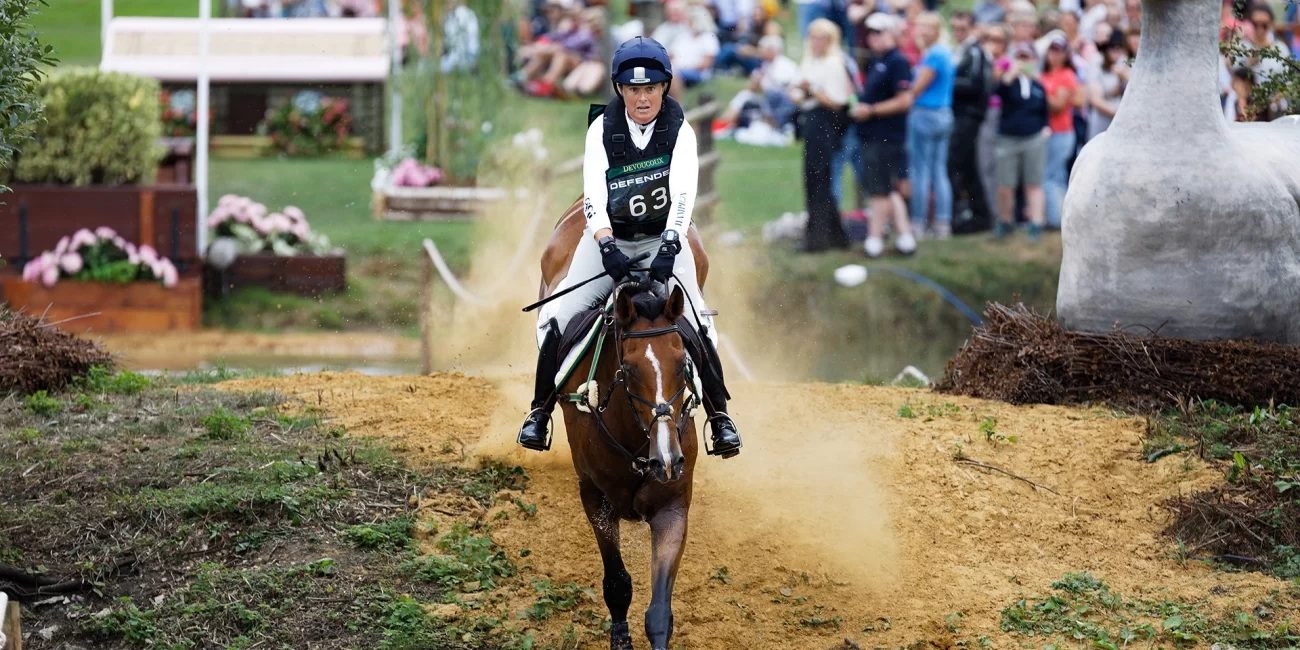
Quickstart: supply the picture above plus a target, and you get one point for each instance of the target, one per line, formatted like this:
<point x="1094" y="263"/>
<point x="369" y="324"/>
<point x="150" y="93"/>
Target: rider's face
<point x="643" y="102"/>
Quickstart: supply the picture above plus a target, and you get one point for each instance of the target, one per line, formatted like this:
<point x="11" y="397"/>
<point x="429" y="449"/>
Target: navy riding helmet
<point x="641" y="61"/>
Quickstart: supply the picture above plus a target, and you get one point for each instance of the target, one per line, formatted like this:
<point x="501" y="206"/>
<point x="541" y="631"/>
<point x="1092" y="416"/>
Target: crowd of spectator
<point x="972" y="124"/>
<point x="304" y="8"/>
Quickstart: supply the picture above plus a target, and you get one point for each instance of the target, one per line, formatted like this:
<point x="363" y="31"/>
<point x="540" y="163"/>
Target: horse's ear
<point x="675" y="307"/>
<point x="624" y="309"/>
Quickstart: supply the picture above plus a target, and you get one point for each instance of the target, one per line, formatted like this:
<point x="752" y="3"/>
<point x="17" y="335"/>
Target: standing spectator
<point x="970" y="103"/>
<point x="882" y="126"/>
<point x="693" y="55"/>
<point x="1024" y="27"/>
<point x="1022" y="143"/>
<point x="1260" y="35"/>
<point x="1094" y="13"/>
<point x="908" y="44"/>
<point x="835" y="11"/>
<point x="1107" y="85"/>
<point x="1064" y="94"/>
<point x="1133" y="37"/>
<point x="1083" y="48"/>
<point x="991" y="12"/>
<point x="929" y="129"/>
<point x="460" y="38"/>
<point x="823" y="91"/>
<point x="994" y="40"/>
<point x="1132" y="14"/>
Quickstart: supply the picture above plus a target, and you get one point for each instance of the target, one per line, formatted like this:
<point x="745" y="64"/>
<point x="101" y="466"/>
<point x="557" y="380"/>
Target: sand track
<point x="837" y="503"/>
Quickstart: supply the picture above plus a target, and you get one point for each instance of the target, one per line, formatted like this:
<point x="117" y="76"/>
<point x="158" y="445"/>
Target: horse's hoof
<point x="620" y="638"/>
<point x="624" y="643"/>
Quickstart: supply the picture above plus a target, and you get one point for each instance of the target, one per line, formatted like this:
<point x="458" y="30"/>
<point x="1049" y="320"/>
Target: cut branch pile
<point x="1022" y="357"/>
<point x="37" y="355"/>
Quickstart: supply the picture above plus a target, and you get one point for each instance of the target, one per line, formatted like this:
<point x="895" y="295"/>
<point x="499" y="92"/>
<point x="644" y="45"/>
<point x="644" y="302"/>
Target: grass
<point x="72" y="26"/>
<point x="1254" y="520"/>
<point x="180" y="513"/>
<point x="1080" y="609"/>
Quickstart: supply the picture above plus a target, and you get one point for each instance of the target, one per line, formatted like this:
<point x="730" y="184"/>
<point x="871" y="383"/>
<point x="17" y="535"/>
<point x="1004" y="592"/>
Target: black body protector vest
<point x="637" y="179"/>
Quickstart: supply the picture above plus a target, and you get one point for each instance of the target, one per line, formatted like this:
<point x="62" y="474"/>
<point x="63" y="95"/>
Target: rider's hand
<point x="662" y="267"/>
<point x="617" y="265"/>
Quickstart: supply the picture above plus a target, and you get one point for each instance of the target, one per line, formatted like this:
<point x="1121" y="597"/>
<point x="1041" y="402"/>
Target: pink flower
<point x="155" y="268"/>
<point x="294" y="213"/>
<point x="32" y="270"/>
<point x="147" y="254"/>
<point x="71" y="263"/>
<point x="104" y="232"/>
<point x="277" y="223"/>
<point x="228" y="199"/>
<point x="256" y="209"/>
<point x="218" y="216"/>
<point x="63" y="246"/>
<point x="49" y="275"/>
<point x="169" y="275"/>
<point x="300" y="230"/>
<point x="48" y="259"/>
<point x="81" y="238"/>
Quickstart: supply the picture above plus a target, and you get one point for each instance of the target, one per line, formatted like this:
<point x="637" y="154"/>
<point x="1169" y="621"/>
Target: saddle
<point x="580" y="335"/>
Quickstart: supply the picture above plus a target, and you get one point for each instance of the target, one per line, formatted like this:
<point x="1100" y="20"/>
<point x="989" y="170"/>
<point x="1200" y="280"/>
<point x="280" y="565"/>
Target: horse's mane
<point x="648" y="297"/>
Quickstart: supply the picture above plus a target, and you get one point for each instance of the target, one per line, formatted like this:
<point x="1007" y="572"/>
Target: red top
<point x="1061" y="121"/>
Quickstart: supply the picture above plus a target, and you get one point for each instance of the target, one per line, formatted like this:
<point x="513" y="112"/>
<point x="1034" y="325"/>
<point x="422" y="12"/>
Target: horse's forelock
<point x="649" y="299"/>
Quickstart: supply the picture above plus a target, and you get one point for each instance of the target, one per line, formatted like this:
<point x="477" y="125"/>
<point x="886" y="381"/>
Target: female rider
<point x="639" y="181"/>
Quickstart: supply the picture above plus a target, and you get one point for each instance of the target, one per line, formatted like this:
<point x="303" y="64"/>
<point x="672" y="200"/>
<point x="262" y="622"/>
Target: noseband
<point x="662" y="412"/>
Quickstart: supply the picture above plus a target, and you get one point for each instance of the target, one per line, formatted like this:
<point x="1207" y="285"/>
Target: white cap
<point x="882" y="22"/>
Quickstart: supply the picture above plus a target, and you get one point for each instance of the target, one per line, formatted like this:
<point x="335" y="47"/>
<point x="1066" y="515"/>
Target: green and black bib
<point x="639" y="201"/>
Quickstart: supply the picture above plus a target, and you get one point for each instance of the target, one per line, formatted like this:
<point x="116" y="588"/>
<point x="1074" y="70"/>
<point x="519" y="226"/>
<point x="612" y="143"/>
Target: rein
<point x="662" y="412"/>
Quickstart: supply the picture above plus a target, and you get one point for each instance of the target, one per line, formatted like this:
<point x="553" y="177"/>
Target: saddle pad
<point x="577" y="341"/>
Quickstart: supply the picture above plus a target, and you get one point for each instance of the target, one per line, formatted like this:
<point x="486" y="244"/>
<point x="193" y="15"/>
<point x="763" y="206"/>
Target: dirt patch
<point x="1022" y="357"/>
<point x="846" y="516"/>
<point x="177" y="351"/>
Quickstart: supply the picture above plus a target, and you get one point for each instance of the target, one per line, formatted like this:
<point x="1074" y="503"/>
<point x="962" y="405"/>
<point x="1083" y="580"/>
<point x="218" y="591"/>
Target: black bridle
<point x="662" y="412"/>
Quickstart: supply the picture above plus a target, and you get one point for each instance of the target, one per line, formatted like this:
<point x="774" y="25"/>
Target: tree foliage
<point x="22" y="58"/>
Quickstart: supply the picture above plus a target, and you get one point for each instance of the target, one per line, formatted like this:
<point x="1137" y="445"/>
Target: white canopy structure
<point x="253" y="50"/>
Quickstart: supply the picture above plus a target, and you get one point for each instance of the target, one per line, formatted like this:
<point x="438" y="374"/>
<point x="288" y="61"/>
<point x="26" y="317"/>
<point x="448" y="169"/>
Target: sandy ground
<point x="183" y="350"/>
<point x="836" y="502"/>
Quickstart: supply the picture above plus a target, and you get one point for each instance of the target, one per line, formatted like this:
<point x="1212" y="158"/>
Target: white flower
<point x="487" y="127"/>
<point x="282" y="248"/>
<point x="540" y="154"/>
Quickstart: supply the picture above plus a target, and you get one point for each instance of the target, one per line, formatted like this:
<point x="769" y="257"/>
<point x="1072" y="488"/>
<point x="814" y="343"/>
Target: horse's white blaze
<point x="662" y="428"/>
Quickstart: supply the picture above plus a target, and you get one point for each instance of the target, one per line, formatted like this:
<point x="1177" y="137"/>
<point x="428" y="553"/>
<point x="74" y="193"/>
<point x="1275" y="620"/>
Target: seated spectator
<point x="1106" y="85"/>
<point x="693" y="55"/>
<point x="1094" y="14"/>
<point x="767" y="93"/>
<point x="356" y="9"/>
<point x="676" y="25"/>
<point x="738" y="20"/>
<point x="1021" y="143"/>
<point x="588" y="74"/>
<point x="555" y="55"/>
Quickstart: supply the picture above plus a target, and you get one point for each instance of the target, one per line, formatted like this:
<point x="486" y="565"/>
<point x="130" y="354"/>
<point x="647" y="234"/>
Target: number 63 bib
<point x="638" y="194"/>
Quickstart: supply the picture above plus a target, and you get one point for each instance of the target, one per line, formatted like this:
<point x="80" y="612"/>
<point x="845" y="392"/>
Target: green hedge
<point x="100" y="128"/>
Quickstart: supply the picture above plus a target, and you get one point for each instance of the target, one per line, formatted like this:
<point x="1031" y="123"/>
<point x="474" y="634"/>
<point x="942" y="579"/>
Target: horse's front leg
<point x="618" y="584"/>
<point x="667" y="540"/>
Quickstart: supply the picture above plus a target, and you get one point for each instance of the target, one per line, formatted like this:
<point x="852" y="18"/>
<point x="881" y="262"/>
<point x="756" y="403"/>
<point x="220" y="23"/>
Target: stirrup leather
<point x="544" y="418"/>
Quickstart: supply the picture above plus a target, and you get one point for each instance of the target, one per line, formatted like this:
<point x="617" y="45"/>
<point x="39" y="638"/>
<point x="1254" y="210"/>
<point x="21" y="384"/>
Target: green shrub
<point x="40" y="403"/>
<point x="22" y="58"/>
<point x="221" y="424"/>
<point x="103" y="379"/>
<point x="99" y="128"/>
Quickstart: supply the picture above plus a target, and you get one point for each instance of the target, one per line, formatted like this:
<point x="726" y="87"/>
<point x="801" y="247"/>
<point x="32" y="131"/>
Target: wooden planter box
<point x="303" y="275"/>
<point x="247" y="147"/>
<point x="440" y="203"/>
<point x="134" y="307"/>
<point x="34" y="217"/>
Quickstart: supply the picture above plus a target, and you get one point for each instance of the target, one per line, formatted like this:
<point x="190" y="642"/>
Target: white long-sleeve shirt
<point x="683" y="176"/>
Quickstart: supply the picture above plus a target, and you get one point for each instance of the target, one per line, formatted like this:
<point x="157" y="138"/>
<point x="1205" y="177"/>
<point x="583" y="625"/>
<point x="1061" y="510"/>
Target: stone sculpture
<point x="1176" y="220"/>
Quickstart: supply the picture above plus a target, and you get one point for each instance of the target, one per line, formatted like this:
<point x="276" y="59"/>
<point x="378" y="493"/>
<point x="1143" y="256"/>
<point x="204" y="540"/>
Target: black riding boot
<point x="722" y="429"/>
<point x="534" y="434"/>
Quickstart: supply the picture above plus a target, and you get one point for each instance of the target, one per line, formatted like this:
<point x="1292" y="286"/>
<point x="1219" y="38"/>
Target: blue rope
<point x="938" y="288"/>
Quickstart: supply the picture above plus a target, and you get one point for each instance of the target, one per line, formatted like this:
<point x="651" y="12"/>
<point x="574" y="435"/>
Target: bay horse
<point x="645" y="391"/>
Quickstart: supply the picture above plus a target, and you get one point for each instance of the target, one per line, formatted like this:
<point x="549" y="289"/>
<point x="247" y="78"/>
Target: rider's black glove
<point x="662" y="267"/>
<point x="617" y="265"/>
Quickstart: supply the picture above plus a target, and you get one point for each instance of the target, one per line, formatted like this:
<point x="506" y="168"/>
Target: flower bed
<point x="277" y="251"/>
<point x="98" y="280"/>
<point x="308" y="125"/>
